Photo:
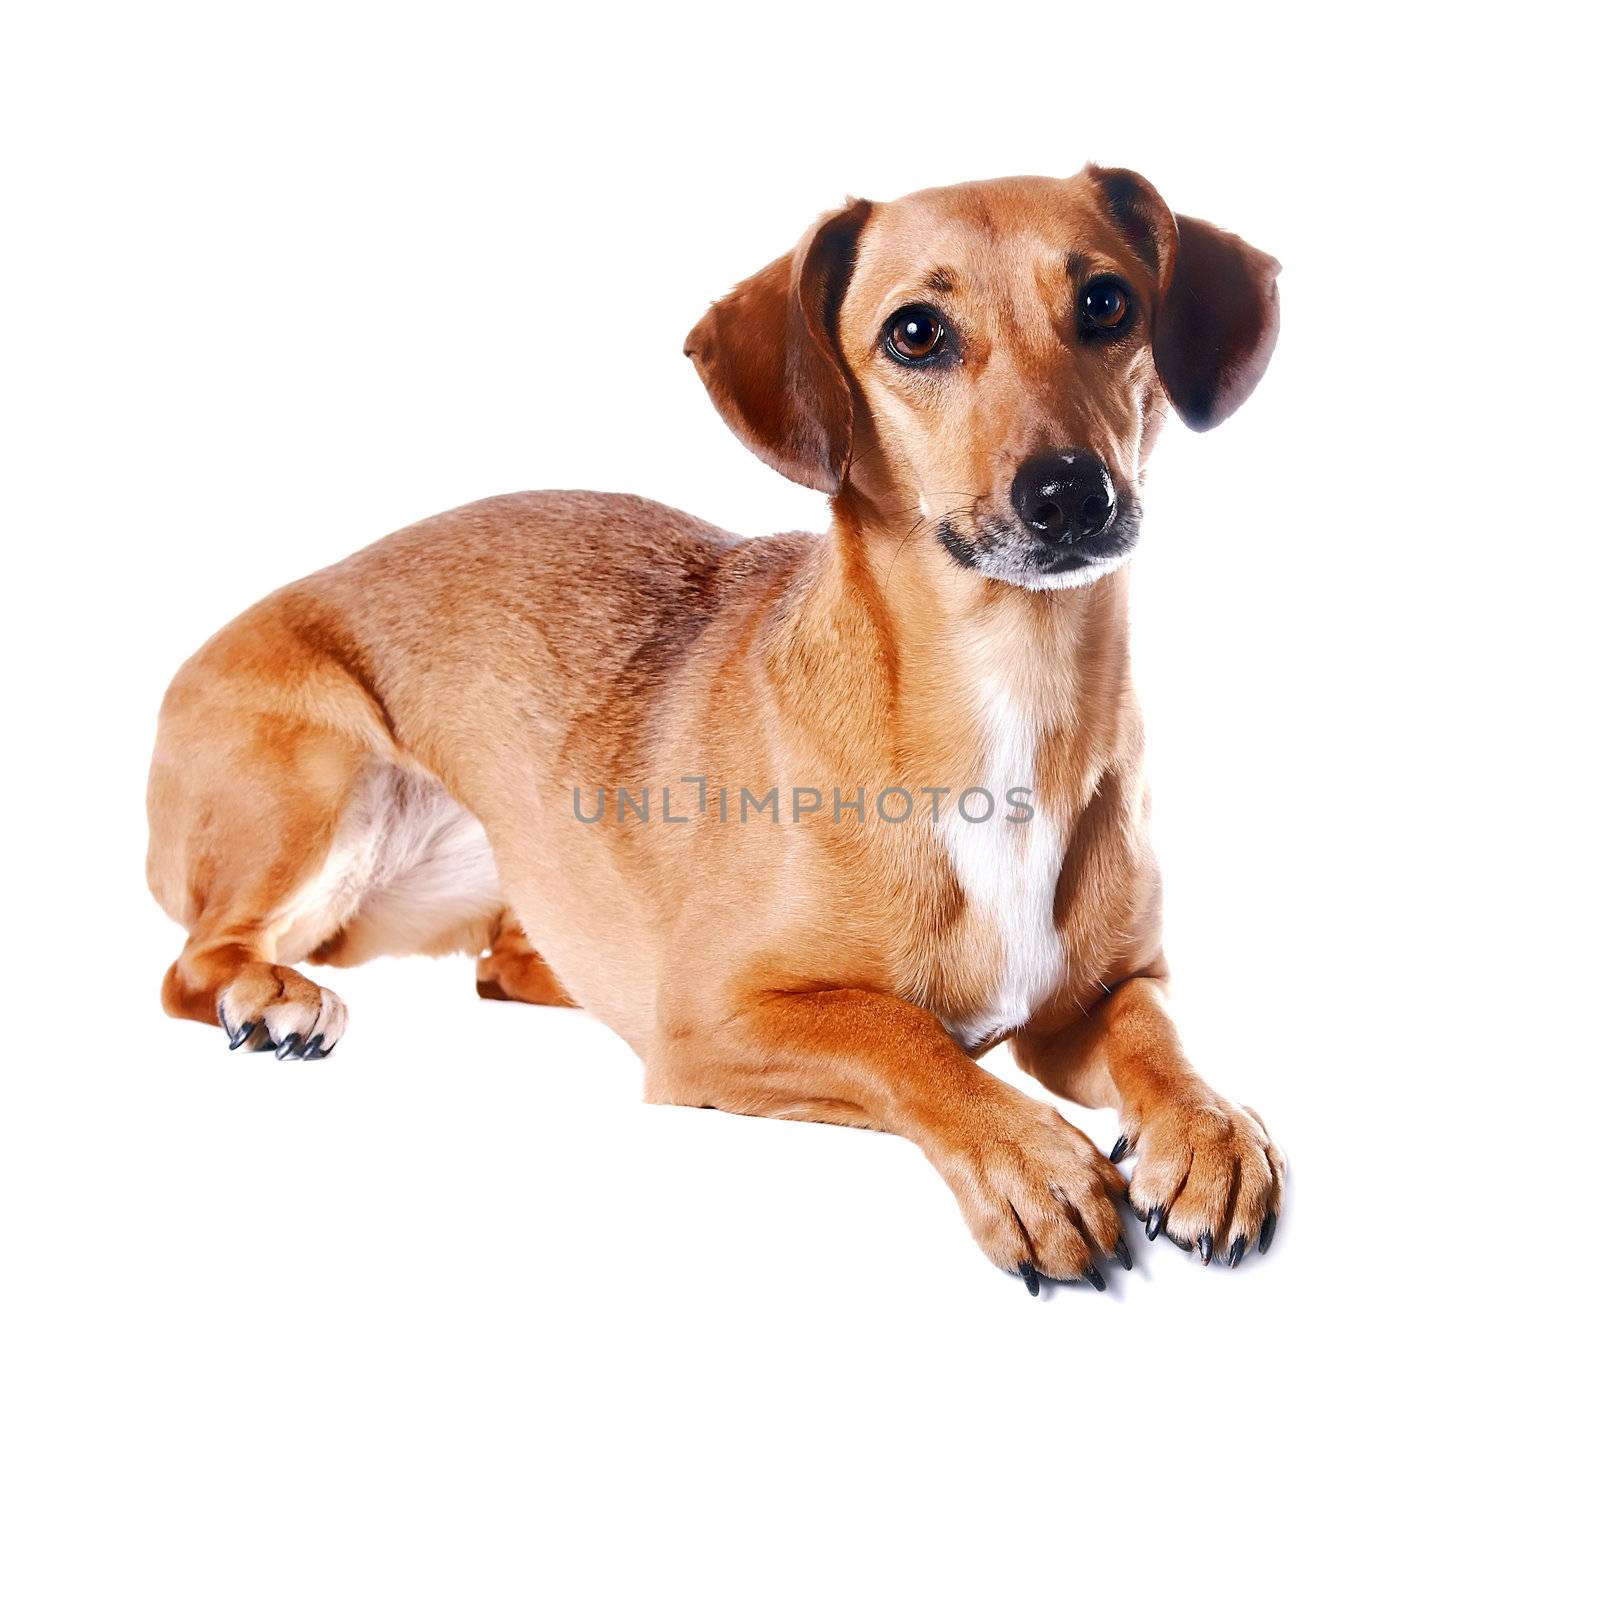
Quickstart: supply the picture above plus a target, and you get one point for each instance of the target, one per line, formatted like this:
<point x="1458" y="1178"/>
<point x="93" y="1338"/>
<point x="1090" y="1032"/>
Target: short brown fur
<point x="811" y="969"/>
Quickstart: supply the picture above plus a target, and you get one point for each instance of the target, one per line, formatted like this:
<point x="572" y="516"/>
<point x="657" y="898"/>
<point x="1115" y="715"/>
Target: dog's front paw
<point x="1039" y="1198"/>
<point x="1206" y="1174"/>
<point x="275" y="1008"/>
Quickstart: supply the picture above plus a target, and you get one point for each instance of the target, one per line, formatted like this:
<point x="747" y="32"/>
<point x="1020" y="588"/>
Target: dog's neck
<point x="920" y="655"/>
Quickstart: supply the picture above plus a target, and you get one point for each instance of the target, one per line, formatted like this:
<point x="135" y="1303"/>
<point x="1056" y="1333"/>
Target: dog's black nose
<point x="1065" y="496"/>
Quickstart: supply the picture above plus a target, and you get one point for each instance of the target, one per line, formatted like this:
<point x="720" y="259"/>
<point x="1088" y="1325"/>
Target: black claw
<point x="1236" y="1250"/>
<point x="243" y="1032"/>
<point x="288" y="1047"/>
<point x="1092" y="1274"/>
<point x="1029" y="1276"/>
<point x="313" y="1049"/>
<point x="1207" y="1245"/>
<point x="1124" y="1255"/>
<point x="1268" y="1228"/>
<point x="1119" y="1149"/>
<point x="1157" y="1219"/>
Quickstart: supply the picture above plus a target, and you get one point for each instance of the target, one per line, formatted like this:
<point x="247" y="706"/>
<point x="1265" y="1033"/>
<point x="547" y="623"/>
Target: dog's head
<point x="987" y="366"/>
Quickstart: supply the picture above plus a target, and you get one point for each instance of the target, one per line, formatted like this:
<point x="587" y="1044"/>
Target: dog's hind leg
<point x="514" y="970"/>
<point x="229" y="972"/>
<point x="261" y="748"/>
<point x="238" y="858"/>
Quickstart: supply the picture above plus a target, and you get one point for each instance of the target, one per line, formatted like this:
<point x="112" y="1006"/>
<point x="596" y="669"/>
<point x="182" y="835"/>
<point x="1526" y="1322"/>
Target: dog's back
<point x="476" y="662"/>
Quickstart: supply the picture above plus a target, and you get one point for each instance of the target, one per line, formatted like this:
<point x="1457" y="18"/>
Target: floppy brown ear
<point x="1216" y="315"/>
<point x="768" y="354"/>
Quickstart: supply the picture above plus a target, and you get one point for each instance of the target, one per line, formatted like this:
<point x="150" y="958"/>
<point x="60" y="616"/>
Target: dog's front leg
<point x="1206" y="1171"/>
<point x="1038" y="1197"/>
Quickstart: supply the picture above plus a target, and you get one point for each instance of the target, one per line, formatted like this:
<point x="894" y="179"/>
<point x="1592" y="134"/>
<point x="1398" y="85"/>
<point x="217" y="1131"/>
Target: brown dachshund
<point x="812" y="822"/>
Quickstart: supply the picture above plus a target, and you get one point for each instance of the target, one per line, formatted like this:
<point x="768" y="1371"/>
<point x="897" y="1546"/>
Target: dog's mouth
<point x="1000" y="548"/>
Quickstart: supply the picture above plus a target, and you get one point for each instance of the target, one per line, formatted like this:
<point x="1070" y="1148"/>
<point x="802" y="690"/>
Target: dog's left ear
<point x="768" y="354"/>
<point x="1216" y="314"/>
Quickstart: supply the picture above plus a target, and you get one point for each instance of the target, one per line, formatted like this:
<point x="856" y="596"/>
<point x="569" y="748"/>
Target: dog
<point x="639" y="765"/>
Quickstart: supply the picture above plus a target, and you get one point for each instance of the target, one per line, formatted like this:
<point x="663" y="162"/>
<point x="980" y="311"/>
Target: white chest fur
<point x="1008" y="871"/>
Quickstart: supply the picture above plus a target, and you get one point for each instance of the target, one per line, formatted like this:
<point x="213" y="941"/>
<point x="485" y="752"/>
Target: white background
<point x="453" y="1313"/>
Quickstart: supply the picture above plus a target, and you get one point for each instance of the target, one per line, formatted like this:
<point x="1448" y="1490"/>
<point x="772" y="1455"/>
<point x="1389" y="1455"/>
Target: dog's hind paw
<point x="274" y="1008"/>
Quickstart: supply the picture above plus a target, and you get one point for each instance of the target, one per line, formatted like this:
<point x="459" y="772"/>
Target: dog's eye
<point x="1105" y="304"/>
<point x="914" y="335"/>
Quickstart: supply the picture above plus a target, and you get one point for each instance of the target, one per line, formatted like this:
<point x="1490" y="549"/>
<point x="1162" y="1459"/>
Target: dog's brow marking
<point x="940" y="281"/>
<point x="1008" y="871"/>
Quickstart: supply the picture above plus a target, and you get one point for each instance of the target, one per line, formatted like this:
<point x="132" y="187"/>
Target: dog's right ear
<point x="768" y="354"/>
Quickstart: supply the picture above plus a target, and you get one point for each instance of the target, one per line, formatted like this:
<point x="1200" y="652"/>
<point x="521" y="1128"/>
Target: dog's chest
<point x="1008" y="870"/>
